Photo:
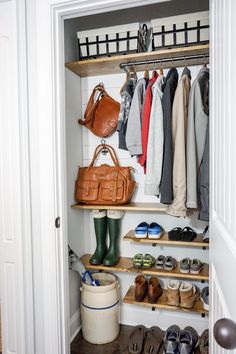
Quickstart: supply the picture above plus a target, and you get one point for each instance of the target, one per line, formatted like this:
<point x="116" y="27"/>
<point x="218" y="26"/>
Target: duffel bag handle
<point x="111" y="151"/>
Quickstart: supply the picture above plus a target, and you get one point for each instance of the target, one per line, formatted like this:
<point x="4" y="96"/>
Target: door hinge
<point x="58" y="222"/>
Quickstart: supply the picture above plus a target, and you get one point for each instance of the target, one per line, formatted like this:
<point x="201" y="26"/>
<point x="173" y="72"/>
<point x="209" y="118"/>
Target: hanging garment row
<point x="163" y="121"/>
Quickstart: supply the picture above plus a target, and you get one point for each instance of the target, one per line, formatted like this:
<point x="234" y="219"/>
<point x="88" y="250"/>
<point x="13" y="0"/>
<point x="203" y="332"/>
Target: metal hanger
<point x="104" y="149"/>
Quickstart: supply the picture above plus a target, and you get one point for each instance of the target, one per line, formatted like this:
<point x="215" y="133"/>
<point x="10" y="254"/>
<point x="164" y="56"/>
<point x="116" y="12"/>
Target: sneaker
<point x="171" y="340"/>
<point x="170" y="263"/>
<point x="185" y="265"/>
<point x="155" y="231"/>
<point x="196" y="266"/>
<point x="204" y="342"/>
<point x="205" y="235"/>
<point x="188" y="340"/>
<point x="188" y="295"/>
<point x="141" y="230"/>
<point x="172" y="292"/>
<point x="160" y="261"/>
<point x="205" y="298"/>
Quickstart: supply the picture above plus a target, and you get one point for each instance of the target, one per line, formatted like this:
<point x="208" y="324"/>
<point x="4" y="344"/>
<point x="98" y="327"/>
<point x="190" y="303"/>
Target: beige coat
<point x="179" y="129"/>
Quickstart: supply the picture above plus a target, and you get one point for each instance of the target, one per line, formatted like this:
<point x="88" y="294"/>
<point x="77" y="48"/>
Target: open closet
<point x="44" y="89"/>
<point x="185" y="44"/>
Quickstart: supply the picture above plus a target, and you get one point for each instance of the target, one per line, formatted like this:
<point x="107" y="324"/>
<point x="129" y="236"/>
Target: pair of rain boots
<point x="102" y="221"/>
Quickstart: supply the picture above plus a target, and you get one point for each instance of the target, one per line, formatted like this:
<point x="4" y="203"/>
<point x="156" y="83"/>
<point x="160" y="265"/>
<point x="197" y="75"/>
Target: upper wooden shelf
<point x="125" y="265"/>
<point x="164" y="240"/>
<point x="110" y="65"/>
<point x="132" y="206"/>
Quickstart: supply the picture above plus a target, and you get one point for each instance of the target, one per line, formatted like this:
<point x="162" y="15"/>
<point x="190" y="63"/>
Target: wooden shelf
<point x="164" y="240"/>
<point x="162" y="303"/>
<point x="132" y="206"/>
<point x="125" y="265"/>
<point x="110" y="65"/>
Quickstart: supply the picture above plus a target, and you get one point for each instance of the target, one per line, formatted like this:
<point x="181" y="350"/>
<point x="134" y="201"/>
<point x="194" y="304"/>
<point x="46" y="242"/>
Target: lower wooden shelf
<point x="162" y="303"/>
<point x="126" y="265"/>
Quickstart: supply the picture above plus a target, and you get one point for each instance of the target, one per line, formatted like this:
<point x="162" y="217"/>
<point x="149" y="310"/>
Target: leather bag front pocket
<point x="112" y="190"/>
<point x="86" y="191"/>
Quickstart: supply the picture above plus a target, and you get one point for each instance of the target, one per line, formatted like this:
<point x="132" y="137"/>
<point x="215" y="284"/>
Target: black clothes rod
<point x="160" y="61"/>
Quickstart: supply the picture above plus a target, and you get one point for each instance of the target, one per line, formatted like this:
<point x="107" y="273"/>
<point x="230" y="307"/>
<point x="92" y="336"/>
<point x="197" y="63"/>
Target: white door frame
<point x="45" y="24"/>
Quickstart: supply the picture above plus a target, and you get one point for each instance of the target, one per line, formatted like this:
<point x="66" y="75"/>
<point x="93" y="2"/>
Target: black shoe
<point x="188" y="340"/>
<point x="171" y="340"/>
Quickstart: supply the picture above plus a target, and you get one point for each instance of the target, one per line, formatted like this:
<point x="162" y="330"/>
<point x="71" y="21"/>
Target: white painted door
<point x="223" y="164"/>
<point x="15" y="237"/>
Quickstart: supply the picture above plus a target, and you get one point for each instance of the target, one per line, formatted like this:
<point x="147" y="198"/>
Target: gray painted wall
<point x="138" y="14"/>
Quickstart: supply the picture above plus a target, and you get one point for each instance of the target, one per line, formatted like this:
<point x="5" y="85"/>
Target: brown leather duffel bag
<point x="105" y="184"/>
<point x="101" y="115"/>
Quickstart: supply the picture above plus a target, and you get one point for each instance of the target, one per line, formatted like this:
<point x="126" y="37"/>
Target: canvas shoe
<point x="171" y="340"/>
<point x="188" y="340"/>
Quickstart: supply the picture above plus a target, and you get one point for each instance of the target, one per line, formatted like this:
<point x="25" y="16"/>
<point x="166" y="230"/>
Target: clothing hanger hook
<point x="104" y="149"/>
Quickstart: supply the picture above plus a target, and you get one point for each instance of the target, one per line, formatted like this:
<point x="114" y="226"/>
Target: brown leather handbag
<point x="105" y="184"/>
<point x="101" y="114"/>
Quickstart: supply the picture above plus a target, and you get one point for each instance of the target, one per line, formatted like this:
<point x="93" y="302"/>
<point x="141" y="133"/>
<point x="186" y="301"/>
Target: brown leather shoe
<point x="154" y="290"/>
<point x="141" y="287"/>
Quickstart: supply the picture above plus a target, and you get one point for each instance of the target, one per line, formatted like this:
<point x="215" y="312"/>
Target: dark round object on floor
<point x="225" y="333"/>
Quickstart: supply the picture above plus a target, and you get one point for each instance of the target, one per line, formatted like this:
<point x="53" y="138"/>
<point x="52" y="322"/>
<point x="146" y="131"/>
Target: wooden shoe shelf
<point x="162" y="303"/>
<point x="164" y="240"/>
<point x="125" y="265"/>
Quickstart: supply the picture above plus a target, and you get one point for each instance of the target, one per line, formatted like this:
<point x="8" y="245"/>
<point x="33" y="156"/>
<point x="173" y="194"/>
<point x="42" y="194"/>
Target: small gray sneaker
<point x="188" y="340"/>
<point x="171" y="340"/>
<point x="196" y="266"/>
<point x="184" y="265"/>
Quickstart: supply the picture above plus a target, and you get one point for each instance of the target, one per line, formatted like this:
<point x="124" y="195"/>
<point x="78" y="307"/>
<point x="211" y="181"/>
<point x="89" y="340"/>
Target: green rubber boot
<point x="100" y="226"/>
<point x="114" y="223"/>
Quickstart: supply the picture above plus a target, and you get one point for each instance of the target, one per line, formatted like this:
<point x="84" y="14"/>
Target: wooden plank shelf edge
<point x="162" y="303"/>
<point x="125" y="265"/>
<point x="110" y="65"/>
<point x="132" y="206"/>
<point x="164" y="240"/>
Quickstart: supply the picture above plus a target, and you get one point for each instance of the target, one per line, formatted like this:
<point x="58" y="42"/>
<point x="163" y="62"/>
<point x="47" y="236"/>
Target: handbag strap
<point x="91" y="106"/>
<point x="111" y="151"/>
